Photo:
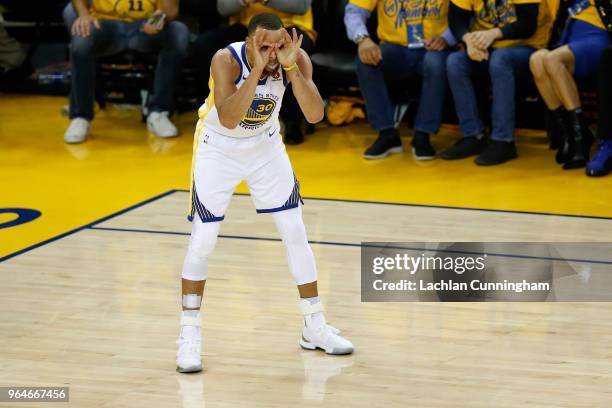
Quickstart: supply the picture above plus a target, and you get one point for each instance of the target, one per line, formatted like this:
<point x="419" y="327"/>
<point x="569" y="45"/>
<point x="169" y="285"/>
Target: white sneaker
<point x="189" y="346"/>
<point x="77" y="131"/>
<point x="323" y="336"/>
<point x="159" y="124"/>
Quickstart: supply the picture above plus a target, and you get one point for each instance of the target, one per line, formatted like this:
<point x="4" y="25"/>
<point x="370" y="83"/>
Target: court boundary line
<point x="360" y="245"/>
<point x="176" y="190"/>
<point x="86" y="226"/>
<point x="446" y="207"/>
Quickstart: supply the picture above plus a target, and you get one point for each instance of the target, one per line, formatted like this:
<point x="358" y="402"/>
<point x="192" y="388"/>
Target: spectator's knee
<point x="552" y="62"/>
<point x="82" y="46"/>
<point x="434" y="65"/>
<point x="179" y="37"/>
<point x="536" y="64"/>
<point x="500" y="63"/>
<point x="455" y="65"/>
<point x="69" y="16"/>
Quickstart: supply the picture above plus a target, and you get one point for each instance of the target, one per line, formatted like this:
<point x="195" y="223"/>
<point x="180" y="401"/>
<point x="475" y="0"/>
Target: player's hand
<point x="261" y="50"/>
<point x="287" y="50"/>
<point x="82" y="25"/>
<point x="151" y="30"/>
<point x="369" y="52"/>
<point x="436" y="44"/>
<point x="484" y="39"/>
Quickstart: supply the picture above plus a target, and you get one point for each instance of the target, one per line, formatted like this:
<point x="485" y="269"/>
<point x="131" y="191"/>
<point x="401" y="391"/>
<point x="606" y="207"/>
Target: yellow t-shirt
<point x="301" y="21"/>
<point x="505" y="13"/>
<point x="591" y="16"/>
<point x="125" y="10"/>
<point x="393" y="16"/>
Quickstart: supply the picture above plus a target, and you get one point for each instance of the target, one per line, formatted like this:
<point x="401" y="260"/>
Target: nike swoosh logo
<point x="270" y="134"/>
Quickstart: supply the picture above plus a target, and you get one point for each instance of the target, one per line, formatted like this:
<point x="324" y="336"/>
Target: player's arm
<point x="299" y="73"/>
<point x="231" y="102"/>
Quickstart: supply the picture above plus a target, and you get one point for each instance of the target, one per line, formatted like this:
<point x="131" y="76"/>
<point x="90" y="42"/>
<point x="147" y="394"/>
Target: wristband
<point x="290" y="68"/>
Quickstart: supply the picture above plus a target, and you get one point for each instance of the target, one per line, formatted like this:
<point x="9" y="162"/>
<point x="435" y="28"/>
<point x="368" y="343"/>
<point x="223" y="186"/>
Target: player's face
<point x="270" y="39"/>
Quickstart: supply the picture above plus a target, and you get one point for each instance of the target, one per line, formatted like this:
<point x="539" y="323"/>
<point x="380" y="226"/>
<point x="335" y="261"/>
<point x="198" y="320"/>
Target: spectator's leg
<point x="601" y="163"/>
<point x="104" y="41"/>
<point x="172" y="43"/>
<point x="290" y="113"/>
<point x="505" y="64"/>
<point x="555" y="122"/>
<point x="459" y="71"/>
<point x="207" y="44"/>
<point x="69" y="15"/>
<point x="561" y="65"/>
<point x="543" y="81"/>
<point x="431" y="103"/>
<point x="397" y="61"/>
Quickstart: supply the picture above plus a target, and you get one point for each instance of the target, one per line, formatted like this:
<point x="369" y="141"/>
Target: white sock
<point x="317" y="319"/>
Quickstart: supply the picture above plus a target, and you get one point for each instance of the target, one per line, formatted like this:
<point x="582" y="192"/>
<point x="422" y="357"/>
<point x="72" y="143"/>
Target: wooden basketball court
<point x="97" y="310"/>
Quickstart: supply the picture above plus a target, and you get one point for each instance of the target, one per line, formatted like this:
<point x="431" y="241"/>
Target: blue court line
<point x="91" y="224"/>
<point x="169" y="192"/>
<point x="446" y="207"/>
<point x="355" y="245"/>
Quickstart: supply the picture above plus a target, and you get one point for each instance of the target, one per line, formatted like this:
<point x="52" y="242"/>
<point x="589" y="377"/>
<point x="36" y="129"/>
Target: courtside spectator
<point x="293" y="13"/>
<point x="601" y="163"/>
<point x="577" y="56"/>
<point x="500" y="36"/>
<point x="109" y="27"/>
<point x="414" y="38"/>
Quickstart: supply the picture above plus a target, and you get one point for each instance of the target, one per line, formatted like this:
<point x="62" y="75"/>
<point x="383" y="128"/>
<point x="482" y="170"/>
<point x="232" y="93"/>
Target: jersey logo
<point x="261" y="109"/>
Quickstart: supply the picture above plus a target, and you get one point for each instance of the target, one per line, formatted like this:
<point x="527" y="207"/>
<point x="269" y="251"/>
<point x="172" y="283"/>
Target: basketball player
<point x="237" y="138"/>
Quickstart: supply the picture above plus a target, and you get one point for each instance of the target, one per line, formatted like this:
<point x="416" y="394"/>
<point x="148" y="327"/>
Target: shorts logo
<point x="261" y="109"/>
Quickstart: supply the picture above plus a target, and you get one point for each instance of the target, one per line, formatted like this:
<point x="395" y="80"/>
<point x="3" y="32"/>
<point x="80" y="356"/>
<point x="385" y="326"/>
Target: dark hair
<point x="268" y="21"/>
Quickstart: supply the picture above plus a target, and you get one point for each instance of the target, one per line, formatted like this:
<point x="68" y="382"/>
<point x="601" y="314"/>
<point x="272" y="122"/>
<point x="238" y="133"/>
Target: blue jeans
<point x="400" y="62"/>
<point x="114" y="37"/>
<point x="504" y="64"/>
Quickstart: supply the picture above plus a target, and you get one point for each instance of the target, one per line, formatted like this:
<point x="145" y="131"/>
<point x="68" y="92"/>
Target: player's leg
<point x="275" y="190"/>
<point x="215" y="177"/>
<point x="316" y="333"/>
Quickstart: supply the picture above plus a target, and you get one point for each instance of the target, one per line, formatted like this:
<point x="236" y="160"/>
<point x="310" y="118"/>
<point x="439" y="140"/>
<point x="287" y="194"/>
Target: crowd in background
<point x="448" y="43"/>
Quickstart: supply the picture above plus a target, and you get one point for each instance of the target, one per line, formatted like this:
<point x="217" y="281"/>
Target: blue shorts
<point x="587" y="42"/>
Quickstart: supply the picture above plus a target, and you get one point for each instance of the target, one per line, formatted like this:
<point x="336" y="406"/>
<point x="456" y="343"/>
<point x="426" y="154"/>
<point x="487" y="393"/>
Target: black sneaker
<point x="293" y="133"/>
<point x="465" y="147"/>
<point x="496" y="152"/>
<point x="421" y="148"/>
<point x="388" y="142"/>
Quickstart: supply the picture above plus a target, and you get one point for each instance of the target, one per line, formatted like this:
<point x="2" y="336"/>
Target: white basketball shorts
<point x="222" y="162"/>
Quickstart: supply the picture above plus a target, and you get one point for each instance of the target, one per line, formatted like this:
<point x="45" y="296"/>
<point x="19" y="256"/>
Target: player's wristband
<point x="290" y="68"/>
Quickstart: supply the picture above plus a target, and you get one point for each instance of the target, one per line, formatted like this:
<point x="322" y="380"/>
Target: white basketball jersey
<point x="262" y="115"/>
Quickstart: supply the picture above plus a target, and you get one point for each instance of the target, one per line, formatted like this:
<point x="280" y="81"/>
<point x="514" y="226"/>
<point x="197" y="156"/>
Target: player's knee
<point x="292" y="230"/>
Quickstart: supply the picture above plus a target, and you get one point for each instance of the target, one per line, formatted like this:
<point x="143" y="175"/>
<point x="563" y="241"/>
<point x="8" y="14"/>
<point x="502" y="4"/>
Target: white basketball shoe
<point x="189" y="343"/>
<point x="321" y="336"/>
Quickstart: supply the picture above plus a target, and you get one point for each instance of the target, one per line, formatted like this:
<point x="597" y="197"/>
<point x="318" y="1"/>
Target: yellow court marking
<point x="121" y="165"/>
